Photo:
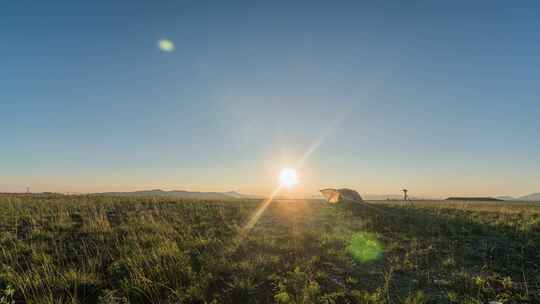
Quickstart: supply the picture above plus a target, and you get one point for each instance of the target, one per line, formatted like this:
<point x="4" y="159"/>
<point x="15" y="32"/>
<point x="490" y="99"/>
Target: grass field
<point x="83" y="249"/>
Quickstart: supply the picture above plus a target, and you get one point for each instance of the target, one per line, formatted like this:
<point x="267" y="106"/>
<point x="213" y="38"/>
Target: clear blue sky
<point x="442" y="97"/>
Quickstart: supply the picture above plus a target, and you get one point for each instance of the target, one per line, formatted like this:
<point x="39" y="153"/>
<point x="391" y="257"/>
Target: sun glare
<point x="288" y="177"/>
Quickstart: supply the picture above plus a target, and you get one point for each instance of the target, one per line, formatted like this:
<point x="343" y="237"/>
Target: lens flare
<point x="165" y="45"/>
<point x="259" y="211"/>
<point x="364" y="247"/>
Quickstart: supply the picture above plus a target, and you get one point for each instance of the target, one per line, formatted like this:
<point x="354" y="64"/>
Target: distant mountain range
<point x="534" y="197"/>
<point x="184" y="194"/>
<point x="473" y="198"/>
<point x="236" y="195"/>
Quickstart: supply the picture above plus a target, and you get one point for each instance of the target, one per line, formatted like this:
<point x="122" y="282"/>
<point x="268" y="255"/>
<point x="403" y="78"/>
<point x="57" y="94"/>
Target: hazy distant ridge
<point x="184" y="194"/>
<point x="531" y="197"/>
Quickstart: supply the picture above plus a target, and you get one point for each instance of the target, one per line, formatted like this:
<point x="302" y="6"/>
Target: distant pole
<point x="27" y="190"/>
<point x="405" y="197"/>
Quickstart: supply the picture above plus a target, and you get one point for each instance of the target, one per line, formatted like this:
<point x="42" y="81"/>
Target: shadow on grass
<point x="498" y="252"/>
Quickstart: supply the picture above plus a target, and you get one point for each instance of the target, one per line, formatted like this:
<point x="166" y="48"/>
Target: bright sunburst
<point x="288" y="177"/>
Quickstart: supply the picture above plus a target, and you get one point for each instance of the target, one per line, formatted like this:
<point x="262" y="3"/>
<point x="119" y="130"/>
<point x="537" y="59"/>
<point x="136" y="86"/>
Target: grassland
<point x="84" y="249"/>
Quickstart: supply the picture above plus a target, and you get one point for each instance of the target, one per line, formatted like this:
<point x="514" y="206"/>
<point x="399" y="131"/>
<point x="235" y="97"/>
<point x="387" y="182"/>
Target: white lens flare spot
<point x="166" y="45"/>
<point x="288" y="177"/>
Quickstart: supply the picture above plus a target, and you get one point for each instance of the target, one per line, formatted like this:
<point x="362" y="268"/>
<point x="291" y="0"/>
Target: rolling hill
<point x="533" y="197"/>
<point x="530" y="197"/>
<point x="183" y="194"/>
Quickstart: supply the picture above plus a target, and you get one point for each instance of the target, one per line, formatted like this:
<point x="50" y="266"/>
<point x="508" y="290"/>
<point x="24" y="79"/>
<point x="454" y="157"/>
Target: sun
<point x="288" y="177"/>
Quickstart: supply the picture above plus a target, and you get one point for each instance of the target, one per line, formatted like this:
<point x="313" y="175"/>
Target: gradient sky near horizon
<point x="440" y="97"/>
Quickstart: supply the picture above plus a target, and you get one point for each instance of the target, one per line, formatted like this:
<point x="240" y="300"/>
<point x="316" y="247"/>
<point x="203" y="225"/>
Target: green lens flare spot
<point x="364" y="247"/>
